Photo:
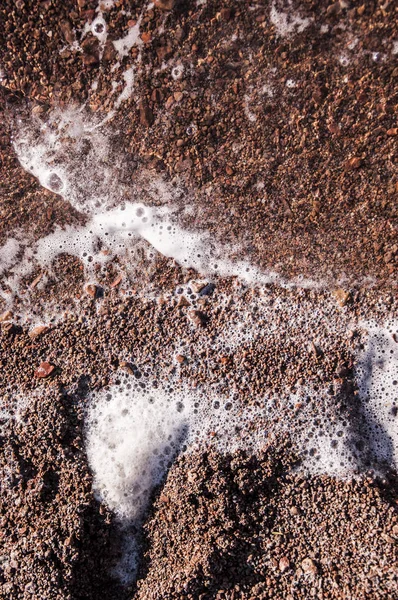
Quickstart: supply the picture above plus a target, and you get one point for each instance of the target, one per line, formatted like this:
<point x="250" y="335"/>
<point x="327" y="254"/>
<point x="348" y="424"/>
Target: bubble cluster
<point x="71" y="155"/>
<point x="136" y="428"/>
<point x="377" y="376"/>
<point x="287" y="23"/>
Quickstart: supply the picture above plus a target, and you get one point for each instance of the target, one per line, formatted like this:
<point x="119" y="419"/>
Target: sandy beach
<point x="198" y="300"/>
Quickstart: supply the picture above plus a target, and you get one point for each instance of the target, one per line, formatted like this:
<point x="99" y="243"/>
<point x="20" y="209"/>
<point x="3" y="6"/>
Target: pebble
<point x="116" y="281"/>
<point x="352" y="163"/>
<point x="165" y="4"/>
<point x="309" y="567"/>
<point x="38" y="331"/>
<point x="44" y="370"/>
<point x="146" y="115"/>
<point x="183" y="302"/>
<point x="284" y="563"/>
<point x="91" y="290"/>
<point x="67" y="31"/>
<point x="6" y="316"/>
<point x="197" y="286"/>
<point x="342" y="296"/>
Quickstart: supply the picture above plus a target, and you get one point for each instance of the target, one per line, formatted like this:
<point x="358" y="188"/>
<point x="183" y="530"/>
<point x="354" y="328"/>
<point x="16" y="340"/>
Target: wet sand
<point x="280" y="133"/>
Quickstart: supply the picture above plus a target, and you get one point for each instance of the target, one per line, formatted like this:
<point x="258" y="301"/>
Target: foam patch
<point x="134" y="431"/>
<point x="377" y="375"/>
<point x="287" y="23"/>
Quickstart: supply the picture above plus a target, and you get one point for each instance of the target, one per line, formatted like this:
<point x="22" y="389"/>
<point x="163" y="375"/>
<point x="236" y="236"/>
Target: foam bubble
<point x="177" y="71"/>
<point x="99" y="29"/>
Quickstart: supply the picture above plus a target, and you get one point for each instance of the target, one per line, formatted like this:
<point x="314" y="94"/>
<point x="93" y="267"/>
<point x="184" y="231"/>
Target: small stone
<point x="67" y="31"/>
<point x="333" y="9"/>
<point x="169" y="102"/>
<point x="90" y="60"/>
<point x="109" y="52"/>
<point x="36" y="281"/>
<point x="180" y="358"/>
<point x="309" y="567"/>
<point x="116" y="282"/>
<point x="284" y="564"/>
<point x="197" y="286"/>
<point x="6" y="316"/>
<point x="180" y="34"/>
<point x="156" y="96"/>
<point x="91" y="290"/>
<point x="44" y="370"/>
<point x="178" y="96"/>
<point x="38" y="331"/>
<point x="392" y="131"/>
<point x="229" y="170"/>
<point x="294" y="511"/>
<point x="146" y="37"/>
<point x="127" y="367"/>
<point x="334" y="128"/>
<point x="342" y="296"/>
<point x="183" y="302"/>
<point x="164" y="4"/>
<point x="388" y="538"/>
<point x="342" y="371"/>
<point x="352" y="163"/>
<point x="91" y="51"/>
<point x="316" y="350"/>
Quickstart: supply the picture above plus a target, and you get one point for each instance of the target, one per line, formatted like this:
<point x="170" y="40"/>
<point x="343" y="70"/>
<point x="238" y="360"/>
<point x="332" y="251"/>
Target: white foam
<point x="377" y="374"/>
<point x="8" y="254"/>
<point x="287" y="23"/>
<point x="70" y="155"/>
<point x="128" y="77"/>
<point x="249" y="114"/>
<point x="105" y="4"/>
<point x="132" y="38"/>
<point x="344" y="60"/>
<point x="131" y="440"/>
<point x="12" y="411"/>
<point x="134" y="431"/>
